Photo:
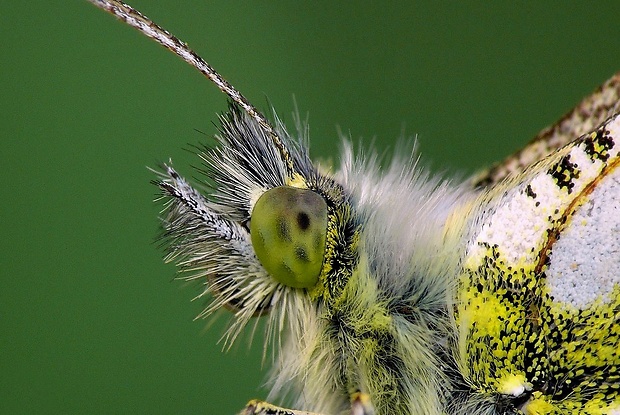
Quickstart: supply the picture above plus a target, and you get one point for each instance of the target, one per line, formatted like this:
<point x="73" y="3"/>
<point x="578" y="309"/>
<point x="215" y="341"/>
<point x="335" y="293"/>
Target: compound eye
<point x="288" y="229"/>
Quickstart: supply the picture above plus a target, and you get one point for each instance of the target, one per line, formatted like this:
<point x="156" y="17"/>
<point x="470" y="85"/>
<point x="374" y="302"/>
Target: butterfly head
<point x="268" y="231"/>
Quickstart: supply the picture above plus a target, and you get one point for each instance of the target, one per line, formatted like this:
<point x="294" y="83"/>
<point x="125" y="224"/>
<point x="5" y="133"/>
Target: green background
<point x="90" y="318"/>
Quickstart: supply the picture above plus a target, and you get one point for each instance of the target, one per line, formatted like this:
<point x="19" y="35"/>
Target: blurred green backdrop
<point x="90" y="319"/>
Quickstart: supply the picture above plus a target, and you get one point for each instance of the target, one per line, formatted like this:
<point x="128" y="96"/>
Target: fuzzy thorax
<point x="389" y="331"/>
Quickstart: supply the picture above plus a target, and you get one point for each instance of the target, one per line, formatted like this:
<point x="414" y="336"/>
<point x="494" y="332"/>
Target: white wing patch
<point x="517" y="223"/>
<point x="520" y="217"/>
<point x="586" y="259"/>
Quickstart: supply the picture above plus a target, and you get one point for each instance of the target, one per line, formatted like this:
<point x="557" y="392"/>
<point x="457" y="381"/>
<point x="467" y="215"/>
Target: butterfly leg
<point x="256" y="407"/>
<point x="360" y="405"/>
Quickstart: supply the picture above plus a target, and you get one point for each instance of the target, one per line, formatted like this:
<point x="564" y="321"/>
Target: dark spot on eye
<point x="303" y="221"/>
<point x="284" y="232"/>
<point x="301" y="254"/>
<point x="318" y="240"/>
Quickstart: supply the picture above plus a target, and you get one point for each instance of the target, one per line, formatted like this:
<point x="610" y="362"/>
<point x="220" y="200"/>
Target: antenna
<point x="145" y="25"/>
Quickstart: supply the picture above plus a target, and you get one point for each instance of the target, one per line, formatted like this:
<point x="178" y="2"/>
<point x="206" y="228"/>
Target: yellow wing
<point x="539" y="307"/>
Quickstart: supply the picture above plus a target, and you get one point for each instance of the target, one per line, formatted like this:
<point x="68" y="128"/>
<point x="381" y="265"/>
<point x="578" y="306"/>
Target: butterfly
<point x="394" y="291"/>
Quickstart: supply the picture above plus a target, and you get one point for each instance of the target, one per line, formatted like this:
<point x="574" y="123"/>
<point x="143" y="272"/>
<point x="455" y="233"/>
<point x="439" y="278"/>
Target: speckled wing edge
<point x="591" y="112"/>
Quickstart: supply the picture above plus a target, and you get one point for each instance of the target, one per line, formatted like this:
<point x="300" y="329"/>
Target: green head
<point x="288" y="230"/>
